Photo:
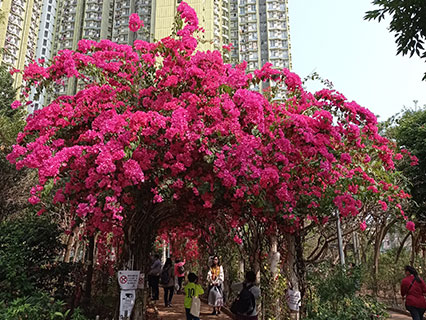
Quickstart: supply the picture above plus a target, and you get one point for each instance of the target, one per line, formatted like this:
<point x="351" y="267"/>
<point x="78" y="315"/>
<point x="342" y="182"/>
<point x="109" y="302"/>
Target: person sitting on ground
<point x="179" y="273"/>
<point x="244" y="306"/>
<point x="192" y="289"/>
<point x="413" y="290"/>
<point x="167" y="281"/>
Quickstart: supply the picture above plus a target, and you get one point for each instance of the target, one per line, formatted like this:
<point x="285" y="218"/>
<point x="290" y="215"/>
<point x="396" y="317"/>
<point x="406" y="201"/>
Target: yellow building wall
<point x="5" y="10"/>
<point x="23" y="36"/>
<point x="24" y="41"/>
<point x="164" y="12"/>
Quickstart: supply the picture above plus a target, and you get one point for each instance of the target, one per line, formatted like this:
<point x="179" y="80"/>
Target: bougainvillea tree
<point x="161" y="132"/>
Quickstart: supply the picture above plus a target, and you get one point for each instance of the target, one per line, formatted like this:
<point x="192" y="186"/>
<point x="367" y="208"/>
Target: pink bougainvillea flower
<point x="34" y="200"/>
<point x="384" y="205"/>
<point x="135" y="23"/>
<point x="15" y="104"/>
<point x="363" y="226"/>
<point x="228" y="47"/>
<point x="410" y="226"/>
<point x="238" y="240"/>
<point x="162" y="126"/>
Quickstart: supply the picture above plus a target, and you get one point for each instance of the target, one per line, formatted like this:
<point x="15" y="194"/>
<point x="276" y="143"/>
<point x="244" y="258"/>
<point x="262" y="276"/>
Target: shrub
<point x="39" y="306"/>
<point x="334" y="295"/>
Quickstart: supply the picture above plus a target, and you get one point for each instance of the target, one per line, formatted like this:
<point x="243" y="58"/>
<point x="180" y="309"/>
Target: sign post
<point x="293" y="299"/>
<point x="128" y="281"/>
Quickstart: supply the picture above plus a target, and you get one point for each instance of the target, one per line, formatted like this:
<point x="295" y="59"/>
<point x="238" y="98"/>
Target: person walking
<point x="179" y="273"/>
<point x="154" y="277"/>
<point x="215" y="278"/>
<point x="413" y="290"/>
<point x="244" y="306"/>
<point x="192" y="289"/>
<point x="167" y="281"/>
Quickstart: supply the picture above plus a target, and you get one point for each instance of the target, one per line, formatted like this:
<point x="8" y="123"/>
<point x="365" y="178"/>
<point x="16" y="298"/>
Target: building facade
<point x="258" y="29"/>
<point x="44" y="44"/>
<point x="18" y="33"/>
<point x="261" y="33"/>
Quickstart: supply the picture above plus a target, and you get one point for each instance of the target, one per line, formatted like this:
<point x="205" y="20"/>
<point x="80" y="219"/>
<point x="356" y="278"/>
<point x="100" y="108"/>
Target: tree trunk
<point x="241" y="272"/>
<point x="139" y="236"/>
<point x="414" y="240"/>
<point x="89" y="273"/>
<point x="70" y="244"/>
<point x="274" y="259"/>
<point x="381" y="231"/>
<point x="401" y="247"/>
<point x="377" y="244"/>
<point x="357" y="254"/>
<point x="295" y="267"/>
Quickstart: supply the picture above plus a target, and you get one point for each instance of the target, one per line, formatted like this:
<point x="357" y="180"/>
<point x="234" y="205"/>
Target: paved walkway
<point x="398" y="316"/>
<point x="177" y="311"/>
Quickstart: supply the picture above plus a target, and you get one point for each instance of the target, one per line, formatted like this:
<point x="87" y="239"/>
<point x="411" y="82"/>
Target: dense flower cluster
<point x="135" y="23"/>
<point x="184" y="127"/>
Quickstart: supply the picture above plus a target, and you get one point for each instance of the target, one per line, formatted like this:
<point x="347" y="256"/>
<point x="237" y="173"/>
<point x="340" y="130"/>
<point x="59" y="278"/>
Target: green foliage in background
<point x="273" y="292"/>
<point x="38" y="307"/>
<point x="408" y="22"/>
<point x="335" y="295"/>
<point x="28" y="248"/>
<point x="408" y="129"/>
<point x="31" y="278"/>
<point x="7" y="93"/>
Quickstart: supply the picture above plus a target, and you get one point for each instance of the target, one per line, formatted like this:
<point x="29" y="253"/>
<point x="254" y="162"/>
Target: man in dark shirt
<point x="154" y="277"/>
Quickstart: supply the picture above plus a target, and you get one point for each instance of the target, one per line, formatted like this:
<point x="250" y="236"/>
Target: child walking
<point x="192" y="289"/>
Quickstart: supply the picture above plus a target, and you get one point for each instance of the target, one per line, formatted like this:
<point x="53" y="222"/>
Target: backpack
<point x="245" y="303"/>
<point x="165" y="276"/>
<point x="181" y="269"/>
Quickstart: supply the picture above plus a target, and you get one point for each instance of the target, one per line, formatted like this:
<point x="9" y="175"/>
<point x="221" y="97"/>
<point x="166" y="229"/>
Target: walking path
<point x="398" y="316"/>
<point x="177" y="311"/>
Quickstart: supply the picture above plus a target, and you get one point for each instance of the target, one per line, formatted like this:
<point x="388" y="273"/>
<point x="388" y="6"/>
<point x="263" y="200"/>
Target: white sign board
<point x="293" y="299"/>
<point x="127" y="301"/>
<point x="128" y="279"/>
<point x="141" y="281"/>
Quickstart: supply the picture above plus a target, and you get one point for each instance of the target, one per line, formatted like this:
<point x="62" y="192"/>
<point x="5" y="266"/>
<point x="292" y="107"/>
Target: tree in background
<point x="408" y="22"/>
<point x="7" y="93"/>
<point x="14" y="185"/>
<point x="408" y="129"/>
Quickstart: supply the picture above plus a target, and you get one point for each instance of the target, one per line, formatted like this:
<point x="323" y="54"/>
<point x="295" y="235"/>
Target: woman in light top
<point x="215" y="278"/>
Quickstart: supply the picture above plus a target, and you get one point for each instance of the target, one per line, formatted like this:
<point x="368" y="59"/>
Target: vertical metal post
<point x="340" y="240"/>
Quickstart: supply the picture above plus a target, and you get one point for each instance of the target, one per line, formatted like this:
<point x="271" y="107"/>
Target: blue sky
<point x="357" y="56"/>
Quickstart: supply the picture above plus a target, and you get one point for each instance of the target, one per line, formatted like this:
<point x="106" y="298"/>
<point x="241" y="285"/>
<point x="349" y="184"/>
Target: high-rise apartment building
<point x="18" y="33"/>
<point x="258" y="29"/>
<point x="44" y="43"/>
<point x="260" y="33"/>
<point x="82" y="19"/>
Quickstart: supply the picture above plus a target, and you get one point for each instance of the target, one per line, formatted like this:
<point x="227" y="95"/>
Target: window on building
<point x="48" y="16"/>
<point x="45" y="42"/>
<point x="47" y="25"/>
<point x="49" y="8"/>
<point x="43" y="51"/>
<point x="46" y="33"/>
